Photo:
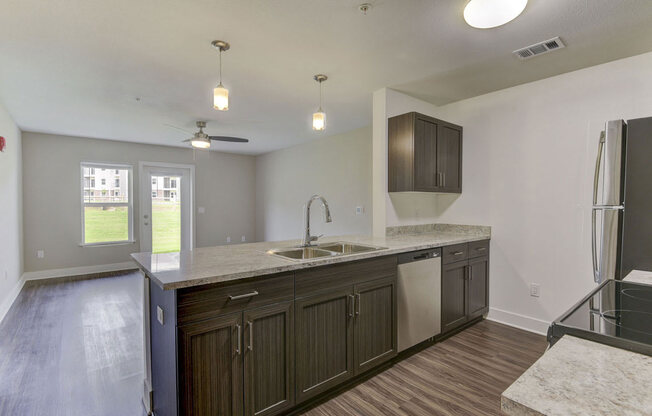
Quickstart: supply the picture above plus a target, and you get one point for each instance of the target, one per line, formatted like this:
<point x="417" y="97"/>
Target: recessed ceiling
<point x="77" y="67"/>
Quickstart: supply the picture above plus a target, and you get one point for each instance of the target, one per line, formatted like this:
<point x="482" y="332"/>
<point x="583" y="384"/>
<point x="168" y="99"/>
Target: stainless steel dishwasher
<point x="419" y="296"/>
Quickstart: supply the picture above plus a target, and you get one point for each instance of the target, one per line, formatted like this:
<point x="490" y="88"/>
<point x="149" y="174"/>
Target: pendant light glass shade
<point x="220" y="98"/>
<point x="220" y="94"/>
<point x="201" y="143"/>
<point x="485" y="14"/>
<point x="319" y="120"/>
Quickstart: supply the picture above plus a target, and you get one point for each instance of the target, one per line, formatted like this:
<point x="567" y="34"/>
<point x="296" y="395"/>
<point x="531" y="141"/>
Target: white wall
<point x="336" y="167"/>
<point x="224" y="186"/>
<point x="528" y="164"/>
<point x="11" y="199"/>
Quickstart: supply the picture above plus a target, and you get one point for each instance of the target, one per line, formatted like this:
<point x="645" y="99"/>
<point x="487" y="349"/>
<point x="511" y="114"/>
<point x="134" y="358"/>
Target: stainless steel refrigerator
<point x="622" y="200"/>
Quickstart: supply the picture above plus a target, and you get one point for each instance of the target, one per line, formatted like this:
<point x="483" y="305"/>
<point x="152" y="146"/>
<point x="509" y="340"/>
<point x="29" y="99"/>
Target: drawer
<point x="312" y="281"/>
<point x="478" y="248"/>
<point x="458" y="252"/>
<point x="203" y="302"/>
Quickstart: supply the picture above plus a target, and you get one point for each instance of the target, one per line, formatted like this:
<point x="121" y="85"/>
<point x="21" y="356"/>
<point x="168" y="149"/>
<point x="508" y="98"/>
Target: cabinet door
<point x="425" y="156"/>
<point x="324" y="341"/>
<point x="375" y="323"/>
<point x="269" y="359"/>
<point x="211" y="366"/>
<point x="453" y="295"/>
<point x="449" y="158"/>
<point x="478" y="286"/>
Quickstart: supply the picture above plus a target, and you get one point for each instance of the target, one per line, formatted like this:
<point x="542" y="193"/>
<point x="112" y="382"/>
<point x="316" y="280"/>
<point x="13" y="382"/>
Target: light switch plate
<point x="228" y="239"/>
<point x="40" y="254"/>
<point x="359" y="210"/>
<point x="159" y="314"/>
<point x="243" y="239"/>
<point x="535" y="290"/>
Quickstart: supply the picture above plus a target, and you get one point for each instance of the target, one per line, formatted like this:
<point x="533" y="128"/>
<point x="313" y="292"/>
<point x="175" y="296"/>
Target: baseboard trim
<point x="524" y="322"/>
<point x="11" y="297"/>
<point x="79" y="271"/>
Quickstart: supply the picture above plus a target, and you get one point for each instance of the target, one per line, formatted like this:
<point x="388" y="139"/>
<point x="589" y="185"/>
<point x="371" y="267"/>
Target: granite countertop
<point x="581" y="377"/>
<point x="224" y="264"/>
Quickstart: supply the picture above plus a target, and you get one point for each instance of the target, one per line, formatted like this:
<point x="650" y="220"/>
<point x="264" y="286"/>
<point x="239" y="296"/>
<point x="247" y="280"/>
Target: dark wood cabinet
<point x="211" y="376"/>
<point x="375" y="323"/>
<point x="268" y="359"/>
<point x="453" y="296"/>
<point x="478" y="274"/>
<point x="464" y="284"/>
<point x="424" y="154"/>
<point x="324" y="341"/>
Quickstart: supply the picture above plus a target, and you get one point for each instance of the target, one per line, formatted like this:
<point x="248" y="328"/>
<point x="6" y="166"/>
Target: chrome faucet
<point x="307" y="238"/>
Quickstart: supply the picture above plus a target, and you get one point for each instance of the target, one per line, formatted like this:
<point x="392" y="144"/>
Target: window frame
<point x="129" y="204"/>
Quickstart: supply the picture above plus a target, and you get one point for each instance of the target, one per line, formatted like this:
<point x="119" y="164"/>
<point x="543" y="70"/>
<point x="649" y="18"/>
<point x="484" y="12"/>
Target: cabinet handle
<point x="351" y="301"/>
<point x="438" y="178"/>
<point x="470" y="272"/>
<point x="443" y="179"/>
<point x="357" y="304"/>
<point x="481" y="248"/>
<point x="457" y="253"/>
<point x="251" y="336"/>
<point x="238" y="350"/>
<point x="246" y="295"/>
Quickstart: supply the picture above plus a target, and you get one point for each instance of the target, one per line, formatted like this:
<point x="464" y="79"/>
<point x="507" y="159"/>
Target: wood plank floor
<point x="463" y="375"/>
<point x="75" y="348"/>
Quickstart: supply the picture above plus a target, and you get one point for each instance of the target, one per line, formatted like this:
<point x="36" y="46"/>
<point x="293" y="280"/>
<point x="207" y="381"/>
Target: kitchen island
<point x="239" y="330"/>
<point x="581" y="377"/>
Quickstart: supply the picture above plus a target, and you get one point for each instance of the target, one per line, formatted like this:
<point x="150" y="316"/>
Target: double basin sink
<point x="323" y="250"/>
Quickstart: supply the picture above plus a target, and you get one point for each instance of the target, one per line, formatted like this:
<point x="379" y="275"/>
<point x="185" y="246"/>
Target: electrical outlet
<point x="535" y="290"/>
<point x="228" y="239"/>
<point x="159" y="314"/>
<point x="40" y="254"/>
<point x="243" y="239"/>
<point x="359" y="210"/>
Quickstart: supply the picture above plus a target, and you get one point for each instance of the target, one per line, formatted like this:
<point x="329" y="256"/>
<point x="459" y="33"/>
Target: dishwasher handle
<point x="419" y="255"/>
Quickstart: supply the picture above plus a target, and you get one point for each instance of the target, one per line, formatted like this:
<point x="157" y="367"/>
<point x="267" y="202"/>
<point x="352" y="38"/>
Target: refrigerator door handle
<point x="596" y="182"/>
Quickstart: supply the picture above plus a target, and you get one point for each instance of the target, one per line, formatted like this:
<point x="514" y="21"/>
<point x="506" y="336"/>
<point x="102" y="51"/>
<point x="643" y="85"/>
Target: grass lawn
<point x="112" y="225"/>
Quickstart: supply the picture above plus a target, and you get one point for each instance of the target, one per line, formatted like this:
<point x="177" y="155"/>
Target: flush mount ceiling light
<point x="220" y="94"/>
<point x="319" y="118"/>
<point x="485" y="14"/>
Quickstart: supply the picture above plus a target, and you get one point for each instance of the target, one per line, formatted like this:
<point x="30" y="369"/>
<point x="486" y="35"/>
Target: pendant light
<point x="220" y="94"/>
<point x="485" y="14"/>
<point x="319" y="118"/>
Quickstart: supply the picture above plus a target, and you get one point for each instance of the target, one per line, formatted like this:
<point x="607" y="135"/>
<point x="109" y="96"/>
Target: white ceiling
<point x="75" y="67"/>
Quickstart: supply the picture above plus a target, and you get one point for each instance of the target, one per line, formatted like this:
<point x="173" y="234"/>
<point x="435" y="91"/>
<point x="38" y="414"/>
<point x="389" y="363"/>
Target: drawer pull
<point x="351" y="306"/>
<point x="357" y="304"/>
<point x="457" y="253"/>
<point x="481" y="248"/>
<point x="243" y="296"/>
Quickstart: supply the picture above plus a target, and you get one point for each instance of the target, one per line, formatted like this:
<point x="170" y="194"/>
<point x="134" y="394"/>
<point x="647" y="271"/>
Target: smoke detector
<point x="364" y="8"/>
<point x="539" y="48"/>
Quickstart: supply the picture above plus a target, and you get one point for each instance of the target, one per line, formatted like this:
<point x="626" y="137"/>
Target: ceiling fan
<point x="202" y="140"/>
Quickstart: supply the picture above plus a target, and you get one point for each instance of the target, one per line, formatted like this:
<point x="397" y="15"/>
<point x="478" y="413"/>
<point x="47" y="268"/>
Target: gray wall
<point x="11" y="246"/>
<point x="224" y="186"/>
<point x="337" y="167"/>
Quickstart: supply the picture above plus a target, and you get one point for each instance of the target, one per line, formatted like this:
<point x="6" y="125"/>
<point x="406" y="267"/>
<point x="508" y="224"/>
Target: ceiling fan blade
<point x="228" y="139"/>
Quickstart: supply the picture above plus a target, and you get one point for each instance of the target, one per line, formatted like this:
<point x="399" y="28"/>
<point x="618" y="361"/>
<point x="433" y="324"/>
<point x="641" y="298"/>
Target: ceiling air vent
<point x="539" y="48"/>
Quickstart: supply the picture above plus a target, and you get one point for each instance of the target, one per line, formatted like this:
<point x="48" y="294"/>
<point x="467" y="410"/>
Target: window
<point x="153" y="181"/>
<point x="106" y="217"/>
<point x="153" y="194"/>
<point x="173" y="183"/>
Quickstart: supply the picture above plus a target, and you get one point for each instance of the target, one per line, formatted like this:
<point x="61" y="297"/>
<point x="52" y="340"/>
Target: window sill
<point x="111" y="243"/>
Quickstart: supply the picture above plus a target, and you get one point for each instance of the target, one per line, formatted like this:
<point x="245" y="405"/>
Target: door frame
<point x="145" y="183"/>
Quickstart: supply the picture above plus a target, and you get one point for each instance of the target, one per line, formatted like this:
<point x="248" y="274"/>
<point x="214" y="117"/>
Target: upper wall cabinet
<point x="425" y="154"/>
